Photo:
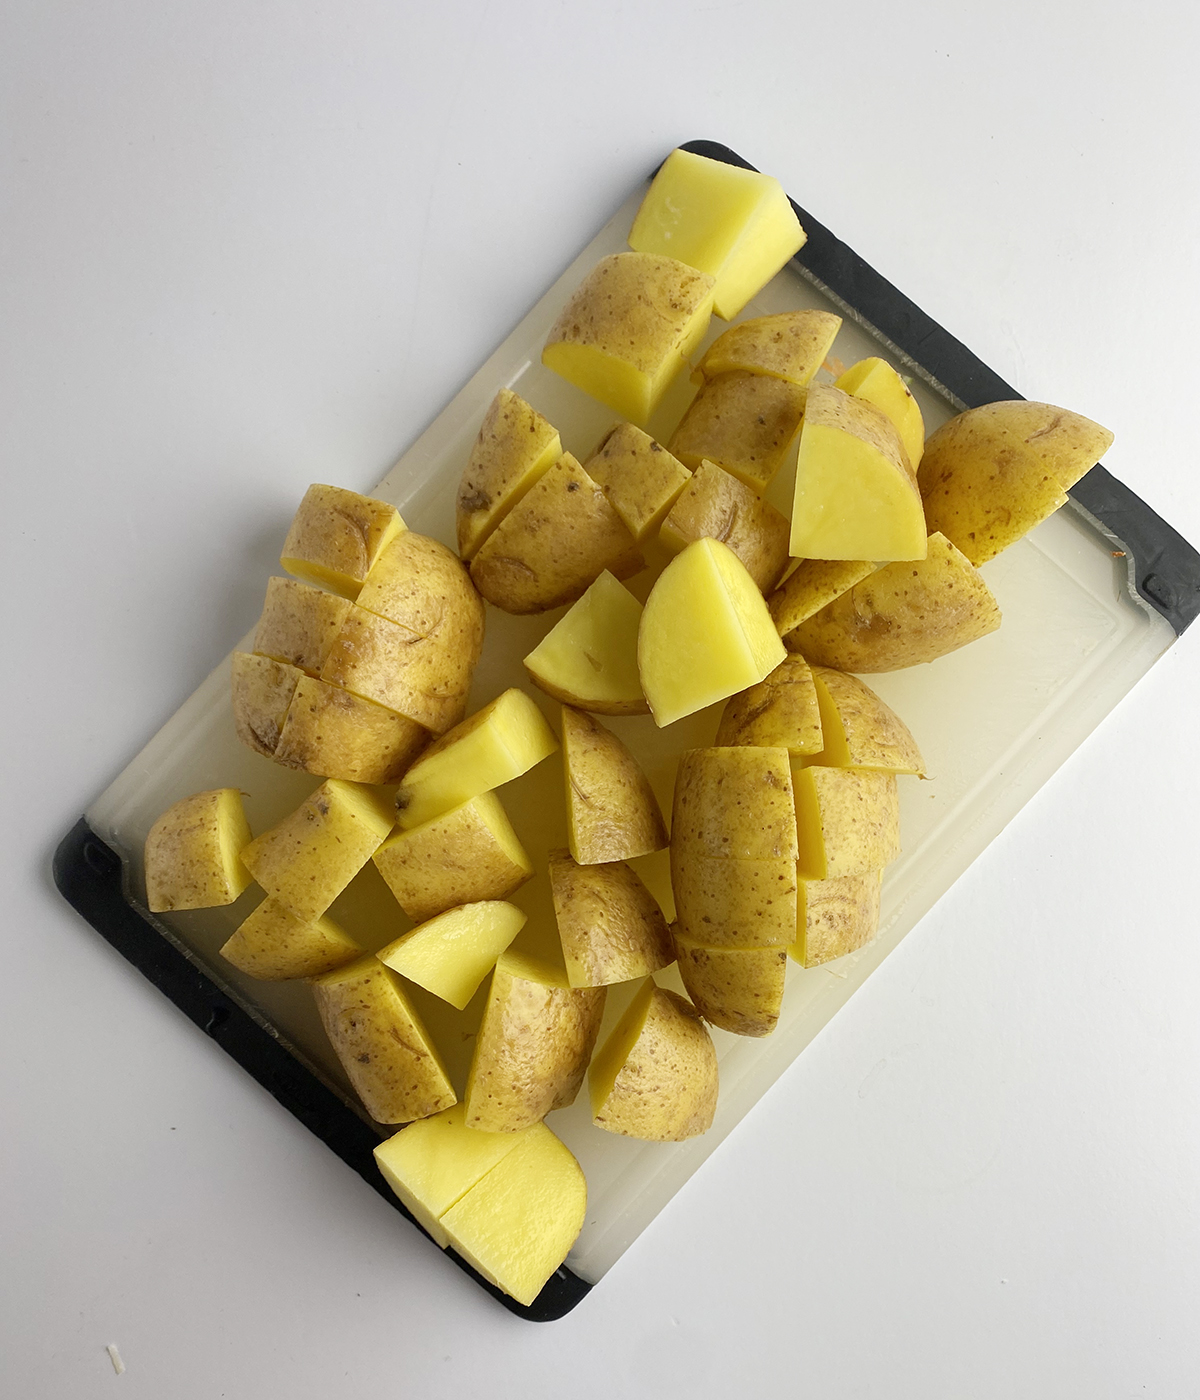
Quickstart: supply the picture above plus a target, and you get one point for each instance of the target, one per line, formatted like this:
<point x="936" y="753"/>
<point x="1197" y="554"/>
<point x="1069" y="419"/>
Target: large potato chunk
<point x="514" y="447"/>
<point x="612" y="812"/>
<point x="792" y="346"/>
<point x="705" y="633"/>
<point x="533" y="1046"/>
<point x="993" y="473"/>
<point x="611" y="927"/>
<point x="737" y="224"/>
<point x="723" y="903"/>
<point x="451" y="954"/>
<point x="782" y="711"/>
<point x="628" y="330"/>
<point x="336" y="536"/>
<point x="194" y="852"/>
<point x="738" y="989"/>
<point x="716" y="505"/>
<point x="901" y="615"/>
<point x="640" y="478"/>
<point x="393" y="1065"/>
<point x="299" y="623"/>
<point x="262" y="692"/>
<point x="735" y="804"/>
<point x="877" y="382"/>
<point x="742" y="422"/>
<point x="274" y="945"/>
<point x="656" y="1075"/>
<point x="552" y="545"/>
<point x="855" y="495"/>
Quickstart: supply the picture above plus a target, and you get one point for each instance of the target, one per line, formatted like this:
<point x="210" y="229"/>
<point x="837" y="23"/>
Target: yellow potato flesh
<point x="736" y="224"/>
<point x="877" y="382"/>
<point x="491" y="747"/>
<point x="274" y="945"/>
<point x="465" y="855"/>
<point x="453" y="952"/>
<point x="193" y="855"/>
<point x="335" y="537"/>
<point x="589" y="657"/>
<point x="705" y="633"/>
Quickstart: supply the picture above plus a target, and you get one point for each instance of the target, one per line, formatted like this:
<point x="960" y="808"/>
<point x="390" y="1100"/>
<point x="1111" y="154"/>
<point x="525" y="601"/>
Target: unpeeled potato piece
<point x="812" y="585"/>
<point x="335" y="734"/>
<point x="611" y="927"/>
<point x="716" y="505"/>
<point x="193" y="852"/>
<point x="836" y="916"/>
<point x="612" y="812"/>
<point x="335" y="537"/>
<point x="738" y="989"/>
<point x="782" y="711"/>
<point x="879" y="383"/>
<point x="744" y="423"/>
<point x="262" y="691"/>
<point x="273" y="945"/>
<point x="847" y="821"/>
<point x="640" y="478"/>
<point x="791" y="345"/>
<point x="859" y="730"/>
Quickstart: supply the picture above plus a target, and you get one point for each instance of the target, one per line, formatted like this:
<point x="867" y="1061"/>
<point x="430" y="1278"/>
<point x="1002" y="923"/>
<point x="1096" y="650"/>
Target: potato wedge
<point x="742" y="422"/>
<point x="274" y="945"/>
<point x="813" y="585"/>
<point x="876" y="381"/>
<point x="335" y="537"/>
<point x="723" y="902"/>
<point x="837" y="916"/>
<point x="611" y="927"/>
<point x="612" y="812"/>
<point x="450" y="954"/>
<point x="782" y="711"/>
<point x="791" y="345"/>
<point x="847" y="821"/>
<point x="738" y="989"/>
<point x="334" y="734"/>
<point x="262" y="691"/>
<point x="716" y="505"/>
<point x="193" y="853"/>
<point x="735" y="803"/>
<point x="640" y="478"/>
<point x="859" y="730"/>
<point x="299" y="624"/>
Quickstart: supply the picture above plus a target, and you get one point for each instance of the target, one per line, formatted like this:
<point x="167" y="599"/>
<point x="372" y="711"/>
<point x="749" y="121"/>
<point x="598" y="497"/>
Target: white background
<point x="248" y="246"/>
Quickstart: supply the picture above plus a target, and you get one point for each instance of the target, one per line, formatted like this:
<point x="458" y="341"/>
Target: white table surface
<point x="251" y="246"/>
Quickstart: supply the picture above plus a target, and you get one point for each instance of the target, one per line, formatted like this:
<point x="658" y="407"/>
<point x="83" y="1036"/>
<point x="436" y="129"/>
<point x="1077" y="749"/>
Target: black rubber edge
<point x="1164" y="567"/>
<point x="89" y="876"/>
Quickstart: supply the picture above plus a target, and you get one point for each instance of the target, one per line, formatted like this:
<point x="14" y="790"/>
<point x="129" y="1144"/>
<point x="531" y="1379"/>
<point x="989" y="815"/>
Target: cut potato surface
<point x="335" y="537"/>
<point x="193" y="854"/>
<point x="837" y="916"/>
<point x="514" y="447"/>
<point x="656" y="1075"/>
<point x="640" y="478"/>
<point x="791" y="345"/>
<point x="743" y="422"/>
<point x="855" y="495"/>
<point x="716" y="505"/>
<point x="394" y="1066"/>
<point x="611" y="927"/>
<point x="782" y="711"/>
<point x="334" y="734"/>
<point x="901" y="615"/>
<point x="847" y="820"/>
<point x="737" y="224"/>
<point x="465" y="855"/>
<point x="612" y="812"/>
<point x="451" y="954"/>
<point x="274" y="945"/>
<point x="877" y="382"/>
<point x="705" y="633"/>
<point x="491" y="747"/>
<point x="738" y="989"/>
<point x="589" y="657"/>
<point x="628" y="330"/>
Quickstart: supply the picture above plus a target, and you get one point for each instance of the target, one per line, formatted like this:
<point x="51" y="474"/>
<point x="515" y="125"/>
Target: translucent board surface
<point x="994" y="720"/>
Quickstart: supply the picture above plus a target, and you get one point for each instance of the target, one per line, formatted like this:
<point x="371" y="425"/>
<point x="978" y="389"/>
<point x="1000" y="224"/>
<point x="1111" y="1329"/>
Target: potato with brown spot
<point x="716" y="505"/>
<point x="738" y="989"/>
<point x="744" y="423"/>
<point x="612" y="812"/>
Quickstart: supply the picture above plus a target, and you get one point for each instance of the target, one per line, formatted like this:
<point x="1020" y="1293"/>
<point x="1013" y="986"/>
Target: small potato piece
<point x="792" y="346"/>
<point x="514" y="447"/>
<point x="393" y="1065"/>
<point x="901" y="615"/>
<point x="554" y="543"/>
<point x="705" y="633"/>
<point x="737" y="224"/>
<point x="735" y="804"/>
<point x="451" y="954"/>
<point x="628" y="330"/>
<point x="640" y="478"/>
<point x="655" y="1077"/>
<point x="724" y="903"/>
<point x="336" y="536"/>
<point x="742" y="422"/>
<point x="611" y="927"/>
<point x="299" y="623"/>
<point x="309" y="858"/>
<point x="782" y="711"/>
<point x="837" y="916"/>
<point x="738" y="989"/>
<point x="262" y="692"/>
<point x="876" y="381"/>
<point x="860" y="731"/>
<point x="716" y="505"/>
<point x="274" y="945"/>
<point x="813" y="585"/>
<point x="589" y="657"/>
<point x="533" y="1046"/>
<point x="193" y="853"/>
<point x="489" y="748"/>
<point x="612" y="812"/>
<point x="847" y="821"/>
<point x="335" y="734"/>
<point x="855" y="496"/>
<point x="467" y="854"/>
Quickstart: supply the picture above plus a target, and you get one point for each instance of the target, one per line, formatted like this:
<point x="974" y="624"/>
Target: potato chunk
<point x="450" y="954"/>
<point x="640" y="478"/>
<point x="612" y="812"/>
<point x="611" y="927"/>
<point x="876" y="381"/>
<point x="274" y="945"/>
<point x="738" y="989"/>
<point x="782" y="711"/>
<point x="335" y="537"/>
<point x="716" y="505"/>
<point x="792" y="346"/>
<point x="334" y="734"/>
<point x="299" y="623"/>
<point x="859" y="730"/>
<point x="813" y="585"/>
<point x="737" y="224"/>
<point x="837" y="916"/>
<point x="742" y="422"/>
<point x="194" y="852"/>
<point x="589" y="657"/>
<point x="628" y="330"/>
<point x="262" y="692"/>
<point x="847" y="821"/>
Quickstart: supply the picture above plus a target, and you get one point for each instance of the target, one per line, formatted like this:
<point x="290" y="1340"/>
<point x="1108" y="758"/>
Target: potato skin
<point x="611" y="927"/>
<point x="780" y="712"/>
<point x="716" y="505"/>
<point x="738" y="989"/>
<point x="612" y="811"/>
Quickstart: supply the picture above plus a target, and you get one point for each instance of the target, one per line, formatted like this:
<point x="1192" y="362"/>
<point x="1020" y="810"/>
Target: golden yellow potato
<point x="554" y="543"/>
<point x="385" y="1050"/>
<point x="335" y="537"/>
<point x="837" y="916"/>
<point x="656" y="1077"/>
<point x="901" y="615"/>
<point x="628" y="329"/>
<point x="514" y="447"/>
<point x="791" y="345"/>
<point x="716" y="505"/>
<point x="781" y="711"/>
<point x="533" y="1046"/>
<point x="193" y="854"/>
<point x="860" y="731"/>
<point x="705" y="633"/>
<point x="612" y="812"/>
<point x="723" y="902"/>
<point x="737" y="224"/>
<point x="813" y="585"/>
<point x="847" y="820"/>
<point x="334" y="734"/>
<point x="299" y="623"/>
<point x="589" y="657"/>
<point x="640" y="478"/>
<point x="262" y="692"/>
<point x="611" y="927"/>
<point x="309" y="858"/>
<point x="450" y="954"/>
<point x="465" y="855"/>
<point x="738" y="989"/>
<point x="274" y="945"/>
<point x="993" y="473"/>
<point x="735" y="804"/>
<point x="876" y="381"/>
<point x="855" y="495"/>
<point x="742" y="422"/>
